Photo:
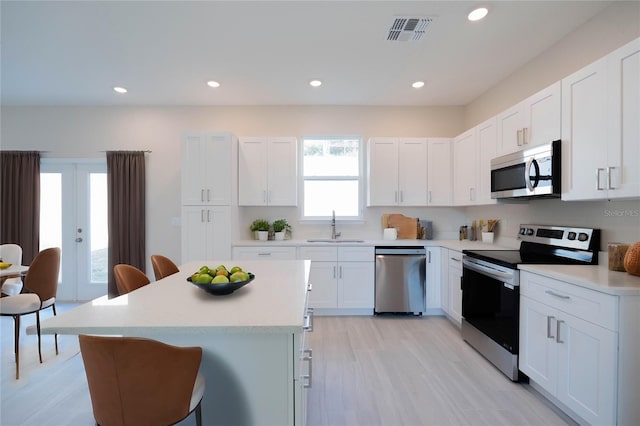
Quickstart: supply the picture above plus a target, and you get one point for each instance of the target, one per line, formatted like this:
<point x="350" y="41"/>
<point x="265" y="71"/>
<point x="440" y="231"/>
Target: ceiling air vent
<point x="408" y="28"/>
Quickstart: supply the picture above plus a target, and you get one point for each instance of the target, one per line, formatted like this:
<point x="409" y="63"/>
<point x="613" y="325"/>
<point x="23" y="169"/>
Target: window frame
<point x="360" y="179"/>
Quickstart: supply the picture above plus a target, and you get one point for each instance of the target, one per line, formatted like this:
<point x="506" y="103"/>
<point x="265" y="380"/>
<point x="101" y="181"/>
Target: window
<point x="331" y="169"/>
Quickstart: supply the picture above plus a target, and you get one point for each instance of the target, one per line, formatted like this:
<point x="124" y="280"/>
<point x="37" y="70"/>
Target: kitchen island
<point x="251" y="339"/>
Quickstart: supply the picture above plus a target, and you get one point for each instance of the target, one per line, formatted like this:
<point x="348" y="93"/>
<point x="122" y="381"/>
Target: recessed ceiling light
<point x="315" y="83"/>
<point x="120" y="89"/>
<point x="418" y="84"/>
<point x="478" y="14"/>
<point x="212" y="83"/>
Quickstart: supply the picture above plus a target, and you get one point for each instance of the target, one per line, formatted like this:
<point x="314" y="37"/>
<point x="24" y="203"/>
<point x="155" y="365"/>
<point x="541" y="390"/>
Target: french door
<point x="73" y="216"/>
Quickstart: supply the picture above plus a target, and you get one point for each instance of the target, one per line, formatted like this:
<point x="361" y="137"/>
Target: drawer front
<point x="319" y="254"/>
<point x="256" y="253"/>
<point x="592" y="306"/>
<point x="356" y="254"/>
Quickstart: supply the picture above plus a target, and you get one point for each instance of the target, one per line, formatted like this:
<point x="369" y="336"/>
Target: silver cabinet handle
<point x="309" y="359"/>
<point x="429" y="253"/>
<point x="269" y="196"/>
<point x="264" y="254"/>
<point x="598" y="187"/>
<point x="208" y="215"/>
<point x="202" y="215"/>
<point x="208" y="195"/>
<point x="402" y="196"/>
<point x="457" y="260"/>
<point x="558" y="331"/>
<point x="264" y="196"/>
<point x="340" y="272"/>
<point x="525" y="136"/>
<point x="334" y="272"/>
<point x="609" y="170"/>
<point x="395" y="197"/>
<point x="554" y="294"/>
<point x="202" y="195"/>
<point x="429" y="195"/>
<point x="549" y="336"/>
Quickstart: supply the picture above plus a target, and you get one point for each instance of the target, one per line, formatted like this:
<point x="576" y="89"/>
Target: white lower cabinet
<point x="452" y="301"/>
<point x="303" y="368"/>
<point x="433" y="279"/>
<point x="264" y="253"/>
<point x="342" y="278"/>
<point x="206" y="232"/>
<point x="569" y="345"/>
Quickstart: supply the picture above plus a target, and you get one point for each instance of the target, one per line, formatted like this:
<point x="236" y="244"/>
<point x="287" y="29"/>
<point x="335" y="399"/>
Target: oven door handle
<point x="493" y="273"/>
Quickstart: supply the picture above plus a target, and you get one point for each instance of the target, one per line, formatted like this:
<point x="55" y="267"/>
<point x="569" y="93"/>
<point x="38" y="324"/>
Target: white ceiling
<point x="266" y="52"/>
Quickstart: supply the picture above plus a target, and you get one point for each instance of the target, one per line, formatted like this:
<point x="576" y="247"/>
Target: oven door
<point x="491" y="301"/>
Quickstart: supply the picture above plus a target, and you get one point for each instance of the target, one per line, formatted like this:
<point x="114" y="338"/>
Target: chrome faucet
<point x="334" y="234"/>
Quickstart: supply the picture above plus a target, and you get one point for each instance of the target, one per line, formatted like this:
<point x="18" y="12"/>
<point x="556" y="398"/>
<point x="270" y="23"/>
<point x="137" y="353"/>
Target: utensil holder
<point x="487" y="237"/>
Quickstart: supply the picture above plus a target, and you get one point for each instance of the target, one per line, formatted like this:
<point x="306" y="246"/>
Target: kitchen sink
<point x="329" y="240"/>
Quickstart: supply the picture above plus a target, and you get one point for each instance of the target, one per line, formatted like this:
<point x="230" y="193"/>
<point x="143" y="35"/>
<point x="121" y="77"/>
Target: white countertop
<point x="273" y="302"/>
<point x="594" y="277"/>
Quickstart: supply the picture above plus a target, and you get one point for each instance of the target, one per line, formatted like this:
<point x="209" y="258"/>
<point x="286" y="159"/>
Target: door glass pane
<point x="98" y="232"/>
<point x="51" y="203"/>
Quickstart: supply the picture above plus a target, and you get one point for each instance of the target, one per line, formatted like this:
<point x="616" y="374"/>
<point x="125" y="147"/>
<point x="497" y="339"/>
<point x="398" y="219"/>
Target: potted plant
<point x="261" y="227"/>
<point x="280" y="228"/>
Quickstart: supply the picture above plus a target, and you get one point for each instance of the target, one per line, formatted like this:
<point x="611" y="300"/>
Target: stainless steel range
<point x="491" y="280"/>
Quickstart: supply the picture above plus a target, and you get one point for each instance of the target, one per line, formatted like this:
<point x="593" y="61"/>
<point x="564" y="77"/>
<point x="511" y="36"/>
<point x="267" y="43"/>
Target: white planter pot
<point x="263" y="235"/>
<point x="279" y="236"/>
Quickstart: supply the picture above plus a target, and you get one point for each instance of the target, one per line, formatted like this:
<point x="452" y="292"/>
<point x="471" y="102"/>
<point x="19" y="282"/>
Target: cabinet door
<point x="218" y="168"/>
<point x="206" y="233"/>
<point x="444" y="280"/>
<point x="323" y="277"/>
<point x="464" y="169"/>
<point x="587" y="367"/>
<point x="194" y="233"/>
<point x="439" y="176"/>
<point x="584" y="133"/>
<point x="624" y="108"/>
<point x="356" y="285"/>
<point x="412" y="172"/>
<point x="538" y="352"/>
<point x="509" y="130"/>
<point x="206" y="169"/>
<point x="252" y="172"/>
<point x="455" y="292"/>
<point x="433" y="277"/>
<point x="282" y="172"/>
<point x="487" y="142"/>
<point x="383" y="172"/>
<point x="542" y="116"/>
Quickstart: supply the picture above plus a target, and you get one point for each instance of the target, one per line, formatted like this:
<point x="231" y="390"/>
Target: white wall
<point x="614" y="27"/>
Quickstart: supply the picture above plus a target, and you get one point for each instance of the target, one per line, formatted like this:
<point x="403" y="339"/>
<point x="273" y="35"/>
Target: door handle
<point x="598" y="187"/>
<point x="79" y="240"/>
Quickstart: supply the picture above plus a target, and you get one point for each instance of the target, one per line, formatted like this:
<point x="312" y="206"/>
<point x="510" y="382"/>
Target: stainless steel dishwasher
<point x="400" y="280"/>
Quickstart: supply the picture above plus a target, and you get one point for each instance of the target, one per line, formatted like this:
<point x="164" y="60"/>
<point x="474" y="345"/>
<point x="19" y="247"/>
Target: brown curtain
<point x="126" y="198"/>
<point x="20" y="201"/>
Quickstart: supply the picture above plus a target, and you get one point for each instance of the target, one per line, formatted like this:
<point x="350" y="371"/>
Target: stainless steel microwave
<point x="532" y="172"/>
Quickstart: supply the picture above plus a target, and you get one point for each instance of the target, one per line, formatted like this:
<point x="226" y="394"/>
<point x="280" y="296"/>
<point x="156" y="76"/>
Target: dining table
<point x="13" y="271"/>
<point x="254" y="363"/>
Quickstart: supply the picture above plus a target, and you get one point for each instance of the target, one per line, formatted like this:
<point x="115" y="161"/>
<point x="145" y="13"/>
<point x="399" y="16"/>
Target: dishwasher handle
<point x="401" y="251"/>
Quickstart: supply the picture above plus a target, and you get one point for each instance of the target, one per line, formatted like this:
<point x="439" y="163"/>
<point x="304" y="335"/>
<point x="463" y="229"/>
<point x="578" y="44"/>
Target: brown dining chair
<point x="129" y="278"/>
<point x="138" y="381"/>
<point x="163" y="266"/>
<point x="40" y="287"/>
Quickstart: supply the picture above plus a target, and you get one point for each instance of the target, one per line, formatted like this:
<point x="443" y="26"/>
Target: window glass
<point x="331" y="171"/>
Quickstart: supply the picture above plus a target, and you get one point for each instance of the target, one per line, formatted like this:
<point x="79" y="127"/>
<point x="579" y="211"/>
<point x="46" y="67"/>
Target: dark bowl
<point x="222" y="289"/>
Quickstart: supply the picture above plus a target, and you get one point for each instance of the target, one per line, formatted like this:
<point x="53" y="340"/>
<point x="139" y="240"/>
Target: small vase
<point x="487" y="237"/>
<point x="279" y="236"/>
<point x="263" y="235"/>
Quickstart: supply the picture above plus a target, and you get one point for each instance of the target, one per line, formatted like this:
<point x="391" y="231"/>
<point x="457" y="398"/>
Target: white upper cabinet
<point x="439" y="176"/>
<point x="267" y="171"/>
<point x="601" y="128"/>
<point x="464" y="169"/>
<point x="397" y="172"/>
<point x="534" y="121"/>
<point x="486" y="134"/>
<point x="206" y="169"/>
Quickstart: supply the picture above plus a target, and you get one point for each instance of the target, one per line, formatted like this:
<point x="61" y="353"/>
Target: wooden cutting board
<point x="407" y="226"/>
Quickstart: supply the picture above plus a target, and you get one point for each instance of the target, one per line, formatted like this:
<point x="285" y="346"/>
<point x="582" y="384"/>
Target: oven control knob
<point x="583" y="237"/>
<point x="522" y="231"/>
<point x="529" y="231"/>
<point x="571" y="236"/>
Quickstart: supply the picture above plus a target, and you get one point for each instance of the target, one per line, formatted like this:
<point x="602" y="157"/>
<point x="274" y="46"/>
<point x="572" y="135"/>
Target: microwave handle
<point x="527" y="174"/>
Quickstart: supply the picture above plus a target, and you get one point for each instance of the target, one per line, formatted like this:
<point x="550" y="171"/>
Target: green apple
<point x="203" y="279"/>
<point x="235" y="269"/>
<point x="220" y="279"/>
<point x="238" y="276"/>
<point x="221" y="267"/>
<point x="204" y="270"/>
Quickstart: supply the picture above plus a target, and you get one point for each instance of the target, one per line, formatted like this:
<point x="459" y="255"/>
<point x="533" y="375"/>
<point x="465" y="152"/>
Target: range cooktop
<point x="543" y="244"/>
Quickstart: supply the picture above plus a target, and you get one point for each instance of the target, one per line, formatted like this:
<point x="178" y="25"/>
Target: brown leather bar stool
<point x="129" y="278"/>
<point x="163" y="266"/>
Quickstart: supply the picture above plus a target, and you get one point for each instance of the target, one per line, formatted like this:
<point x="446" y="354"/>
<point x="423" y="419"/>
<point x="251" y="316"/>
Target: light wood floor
<point x="367" y="371"/>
